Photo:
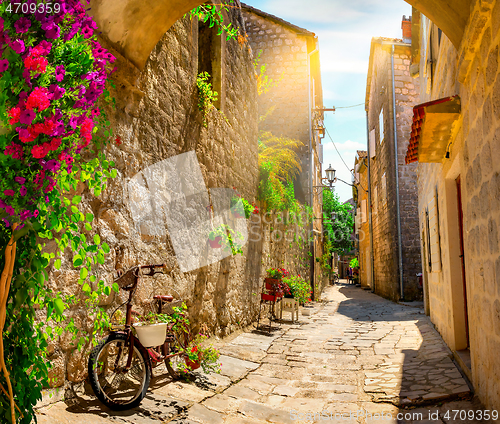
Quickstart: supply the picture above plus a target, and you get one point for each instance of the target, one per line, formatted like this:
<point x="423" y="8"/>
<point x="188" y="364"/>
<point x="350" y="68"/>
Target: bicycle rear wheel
<point x="175" y="348"/>
<point x="114" y="385"/>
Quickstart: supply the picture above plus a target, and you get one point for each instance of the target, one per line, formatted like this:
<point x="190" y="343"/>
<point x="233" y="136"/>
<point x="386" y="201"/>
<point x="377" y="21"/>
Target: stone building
<point x="363" y="238"/>
<point x="390" y="95"/>
<point x="470" y="69"/>
<point x="157" y="118"/>
<point x="455" y="140"/>
<point x="290" y="55"/>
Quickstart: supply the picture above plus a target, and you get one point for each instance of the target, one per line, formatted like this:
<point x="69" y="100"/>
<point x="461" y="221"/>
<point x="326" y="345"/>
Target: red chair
<point x="271" y="294"/>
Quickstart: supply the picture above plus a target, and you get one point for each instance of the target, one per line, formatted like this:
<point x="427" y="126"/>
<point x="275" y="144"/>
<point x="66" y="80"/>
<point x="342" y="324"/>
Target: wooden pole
<point x="5" y="280"/>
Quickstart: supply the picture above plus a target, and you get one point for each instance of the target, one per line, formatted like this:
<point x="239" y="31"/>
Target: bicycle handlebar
<point x="130" y="278"/>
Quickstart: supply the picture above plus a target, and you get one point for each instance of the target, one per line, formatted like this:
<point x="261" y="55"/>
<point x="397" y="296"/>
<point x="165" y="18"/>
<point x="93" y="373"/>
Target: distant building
<point x="291" y="57"/>
<point x="391" y="94"/>
<point x="362" y="227"/>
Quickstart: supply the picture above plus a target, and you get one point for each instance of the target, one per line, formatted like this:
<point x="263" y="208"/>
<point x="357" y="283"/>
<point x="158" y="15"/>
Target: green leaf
<point x="86" y="288"/>
<point x="83" y="273"/>
<point x="105" y="247"/>
<point x="115" y="287"/>
<point x="57" y="264"/>
<point x="97" y="239"/>
<point x="88" y="227"/>
<point x="100" y="258"/>
<point x="107" y="290"/>
<point x="76" y="200"/>
<point x="59" y="306"/>
<point x="89" y="217"/>
<point x="77" y="261"/>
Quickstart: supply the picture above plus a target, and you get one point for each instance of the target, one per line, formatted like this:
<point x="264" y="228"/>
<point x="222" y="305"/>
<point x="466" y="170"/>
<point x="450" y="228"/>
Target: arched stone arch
<point x="134" y="27"/>
<point x="451" y="16"/>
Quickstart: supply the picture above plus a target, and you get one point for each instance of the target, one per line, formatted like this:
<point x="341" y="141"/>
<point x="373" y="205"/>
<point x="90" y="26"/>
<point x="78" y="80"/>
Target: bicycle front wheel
<point x="117" y="386"/>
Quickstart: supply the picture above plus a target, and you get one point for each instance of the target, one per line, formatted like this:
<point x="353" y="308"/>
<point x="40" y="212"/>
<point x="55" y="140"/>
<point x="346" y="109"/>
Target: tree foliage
<point x="338" y="222"/>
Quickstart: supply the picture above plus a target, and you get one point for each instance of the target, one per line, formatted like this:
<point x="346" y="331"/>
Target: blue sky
<point x="345" y="29"/>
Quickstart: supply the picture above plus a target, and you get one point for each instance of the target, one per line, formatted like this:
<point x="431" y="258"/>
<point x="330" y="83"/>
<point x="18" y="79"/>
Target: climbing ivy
<point x="52" y="73"/>
<point x="206" y="95"/>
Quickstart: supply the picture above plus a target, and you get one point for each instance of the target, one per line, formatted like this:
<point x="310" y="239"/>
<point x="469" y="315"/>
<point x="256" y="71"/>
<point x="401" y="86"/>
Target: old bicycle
<point x="120" y="366"/>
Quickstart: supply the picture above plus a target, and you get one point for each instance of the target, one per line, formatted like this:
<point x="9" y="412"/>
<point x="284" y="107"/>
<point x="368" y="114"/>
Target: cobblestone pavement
<point x="356" y="354"/>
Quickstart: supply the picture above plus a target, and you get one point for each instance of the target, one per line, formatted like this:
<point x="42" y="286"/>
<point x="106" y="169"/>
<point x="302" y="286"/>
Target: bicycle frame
<point x="131" y="339"/>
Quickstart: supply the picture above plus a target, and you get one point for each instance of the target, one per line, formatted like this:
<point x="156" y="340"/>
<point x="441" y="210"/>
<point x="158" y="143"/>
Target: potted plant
<point x="151" y="328"/>
<point x="298" y="287"/>
<point x="228" y="239"/>
<point x="242" y="208"/>
<point x="197" y="355"/>
<point x="274" y="275"/>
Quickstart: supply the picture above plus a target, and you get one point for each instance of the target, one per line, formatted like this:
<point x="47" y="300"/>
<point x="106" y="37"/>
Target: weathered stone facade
<point x="465" y="306"/>
<point x="157" y="117"/>
<point x="291" y="57"/>
<point x="382" y="156"/>
<point x="362" y="218"/>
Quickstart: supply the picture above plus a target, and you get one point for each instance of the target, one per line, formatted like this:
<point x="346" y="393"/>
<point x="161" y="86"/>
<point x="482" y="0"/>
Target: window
<point x="381" y="125"/>
<point x="372" y="143"/>
<point x="363" y="211"/>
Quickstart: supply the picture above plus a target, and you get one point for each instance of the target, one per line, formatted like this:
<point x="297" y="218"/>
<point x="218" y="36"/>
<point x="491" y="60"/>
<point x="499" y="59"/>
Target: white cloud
<point x="346" y="146"/>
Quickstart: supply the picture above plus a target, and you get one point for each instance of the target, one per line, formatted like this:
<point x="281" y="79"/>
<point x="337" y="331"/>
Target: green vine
<point x="215" y="17"/>
<point x="206" y="95"/>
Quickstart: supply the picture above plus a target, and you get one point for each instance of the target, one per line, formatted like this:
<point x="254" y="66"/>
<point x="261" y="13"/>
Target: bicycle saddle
<point x="164" y="298"/>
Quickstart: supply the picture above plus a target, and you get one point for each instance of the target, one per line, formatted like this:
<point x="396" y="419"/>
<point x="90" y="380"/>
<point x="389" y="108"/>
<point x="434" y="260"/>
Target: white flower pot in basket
<point x="151" y="335"/>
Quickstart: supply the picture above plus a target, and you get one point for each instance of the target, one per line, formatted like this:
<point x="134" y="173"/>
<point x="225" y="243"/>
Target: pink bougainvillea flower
<point x="96" y="112"/>
<point x="27" y="117"/>
<point x="18" y="46"/>
<point x="22" y="25"/>
<point x="52" y="165"/>
<point x="39" y="151"/>
<point x="14" y="115"/>
<point x="56" y="91"/>
<point x="35" y="213"/>
<point x="54" y="144"/>
<point x="25" y="135"/>
<point x="36" y="63"/>
<point x="4" y="65"/>
<point x="23" y="191"/>
<point x="14" y="150"/>
<point x="10" y="210"/>
<point x="38" y="99"/>
<point x="60" y="72"/>
<point x="53" y="33"/>
<point x="9" y="192"/>
<point x="20" y="180"/>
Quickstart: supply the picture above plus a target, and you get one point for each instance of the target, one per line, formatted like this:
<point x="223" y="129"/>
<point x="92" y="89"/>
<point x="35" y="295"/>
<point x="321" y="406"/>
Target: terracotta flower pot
<point x="237" y="215"/>
<point x="191" y="364"/>
<point x="216" y="243"/>
<point x="272" y="280"/>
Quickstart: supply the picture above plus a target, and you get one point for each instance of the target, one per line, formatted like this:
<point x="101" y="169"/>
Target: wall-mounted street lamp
<point x="326" y="182"/>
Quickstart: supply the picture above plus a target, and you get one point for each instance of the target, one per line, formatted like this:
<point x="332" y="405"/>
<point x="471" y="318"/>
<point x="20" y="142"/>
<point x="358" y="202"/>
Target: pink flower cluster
<point x="51" y="123"/>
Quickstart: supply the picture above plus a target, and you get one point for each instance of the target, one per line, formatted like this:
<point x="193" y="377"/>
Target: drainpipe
<point x="370" y="222"/>
<point x="398" y="210"/>
<point x="311" y="169"/>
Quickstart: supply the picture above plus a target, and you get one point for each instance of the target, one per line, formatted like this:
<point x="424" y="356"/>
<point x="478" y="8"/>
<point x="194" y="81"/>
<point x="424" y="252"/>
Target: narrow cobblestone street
<point x="356" y="354"/>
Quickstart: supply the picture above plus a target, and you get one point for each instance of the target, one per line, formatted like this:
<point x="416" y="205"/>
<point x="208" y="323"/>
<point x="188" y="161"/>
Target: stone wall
<point x="364" y="255"/>
<point x="383" y="175"/>
<point x="284" y="110"/>
<point x="157" y="117"/>
<point x="472" y="72"/>
<point x="286" y="104"/>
